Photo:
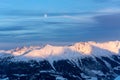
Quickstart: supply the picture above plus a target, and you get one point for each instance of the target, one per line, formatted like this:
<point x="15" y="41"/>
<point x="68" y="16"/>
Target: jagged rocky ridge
<point x="81" y="61"/>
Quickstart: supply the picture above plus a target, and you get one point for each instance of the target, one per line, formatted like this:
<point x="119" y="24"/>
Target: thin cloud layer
<point x="96" y="20"/>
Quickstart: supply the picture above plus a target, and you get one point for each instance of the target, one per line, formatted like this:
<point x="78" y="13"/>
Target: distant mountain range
<point x="81" y="61"/>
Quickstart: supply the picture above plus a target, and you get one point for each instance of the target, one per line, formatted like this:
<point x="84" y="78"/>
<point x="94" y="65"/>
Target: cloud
<point x="111" y="20"/>
<point x="109" y="11"/>
<point x="80" y="17"/>
<point x="13" y="28"/>
<point x="97" y="25"/>
<point x="107" y="27"/>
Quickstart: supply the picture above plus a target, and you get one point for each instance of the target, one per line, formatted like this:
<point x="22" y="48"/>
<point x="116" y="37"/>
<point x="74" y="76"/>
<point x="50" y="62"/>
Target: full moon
<point x="45" y="15"/>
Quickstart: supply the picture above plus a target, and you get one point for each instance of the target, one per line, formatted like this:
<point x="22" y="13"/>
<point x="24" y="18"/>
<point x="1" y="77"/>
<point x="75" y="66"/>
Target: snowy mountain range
<point x="80" y="61"/>
<point x="67" y="52"/>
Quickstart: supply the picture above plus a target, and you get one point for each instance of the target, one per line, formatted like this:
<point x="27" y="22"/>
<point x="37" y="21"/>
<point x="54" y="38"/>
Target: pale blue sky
<point x="57" y="5"/>
<point x="23" y="22"/>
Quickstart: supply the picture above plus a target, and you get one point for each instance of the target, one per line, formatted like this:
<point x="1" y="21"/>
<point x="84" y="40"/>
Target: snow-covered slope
<point x="80" y="49"/>
<point x="80" y="61"/>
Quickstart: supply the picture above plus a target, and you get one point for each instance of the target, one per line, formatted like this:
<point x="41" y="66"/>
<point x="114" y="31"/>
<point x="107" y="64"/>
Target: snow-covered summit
<point x="73" y="51"/>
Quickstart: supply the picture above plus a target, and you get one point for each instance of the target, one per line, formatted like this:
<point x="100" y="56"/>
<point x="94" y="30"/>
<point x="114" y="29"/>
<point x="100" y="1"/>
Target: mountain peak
<point x="77" y="50"/>
<point x="112" y="46"/>
<point x="82" y="47"/>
